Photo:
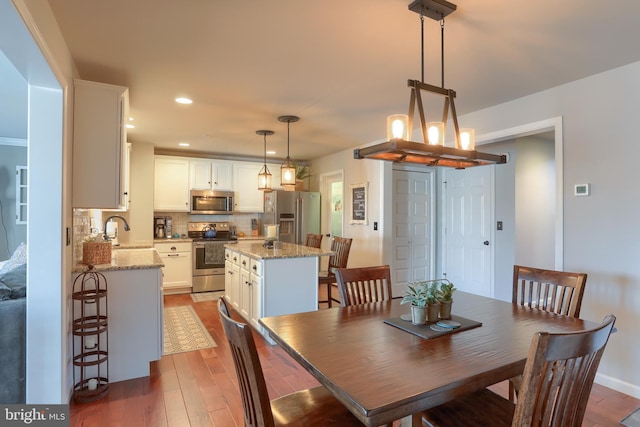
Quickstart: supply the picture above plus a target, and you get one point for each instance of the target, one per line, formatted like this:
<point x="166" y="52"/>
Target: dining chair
<point x="340" y="246"/>
<point x="314" y="240"/>
<point x="364" y="284"/>
<point x="313" y="407"/>
<point x="559" y="292"/>
<point x="557" y="380"/>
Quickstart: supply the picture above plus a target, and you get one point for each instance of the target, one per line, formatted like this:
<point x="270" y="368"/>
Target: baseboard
<point x="618" y="385"/>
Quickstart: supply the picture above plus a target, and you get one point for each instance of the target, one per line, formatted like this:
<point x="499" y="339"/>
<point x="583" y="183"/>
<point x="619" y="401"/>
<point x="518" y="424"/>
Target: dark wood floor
<point x="199" y="388"/>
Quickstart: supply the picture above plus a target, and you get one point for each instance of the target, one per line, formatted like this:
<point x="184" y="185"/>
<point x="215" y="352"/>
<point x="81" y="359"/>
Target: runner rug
<point x="184" y="331"/>
<point x="206" y="296"/>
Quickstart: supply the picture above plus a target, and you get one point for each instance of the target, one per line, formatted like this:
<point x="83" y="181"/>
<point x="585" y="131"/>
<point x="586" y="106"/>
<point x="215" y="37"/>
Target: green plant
<point x="421" y="294"/>
<point x="445" y="293"/>
<point x="302" y="172"/>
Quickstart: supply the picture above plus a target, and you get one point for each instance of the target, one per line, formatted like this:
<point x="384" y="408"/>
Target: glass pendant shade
<point x="467" y="139"/>
<point x="264" y="176"/>
<point x="288" y="169"/>
<point x="435" y="133"/>
<point x="398" y="127"/>
<point x="264" y="179"/>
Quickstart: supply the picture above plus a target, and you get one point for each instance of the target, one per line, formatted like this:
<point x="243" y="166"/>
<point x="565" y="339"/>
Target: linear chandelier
<point x="431" y="151"/>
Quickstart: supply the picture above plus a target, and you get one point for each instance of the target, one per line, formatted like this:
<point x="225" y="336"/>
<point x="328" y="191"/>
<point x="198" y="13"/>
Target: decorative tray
<point x="426" y="331"/>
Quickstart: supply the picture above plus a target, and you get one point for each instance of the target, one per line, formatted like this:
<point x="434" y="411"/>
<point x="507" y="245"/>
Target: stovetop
<point x="196" y="231"/>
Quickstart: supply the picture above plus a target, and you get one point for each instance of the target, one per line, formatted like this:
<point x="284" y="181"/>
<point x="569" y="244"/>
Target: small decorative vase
<point x="432" y="312"/>
<point x="445" y="309"/>
<point x="418" y="315"/>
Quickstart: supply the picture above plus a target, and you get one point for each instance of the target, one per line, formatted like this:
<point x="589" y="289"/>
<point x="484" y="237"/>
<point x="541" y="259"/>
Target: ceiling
<point x="341" y="66"/>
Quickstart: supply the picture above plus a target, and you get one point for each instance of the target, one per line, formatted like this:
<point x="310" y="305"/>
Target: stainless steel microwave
<point x="211" y="202"/>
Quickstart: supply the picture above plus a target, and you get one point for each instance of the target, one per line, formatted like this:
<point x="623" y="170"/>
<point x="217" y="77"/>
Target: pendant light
<point x="432" y="152"/>
<point x="288" y="169"/>
<point x="264" y="176"/>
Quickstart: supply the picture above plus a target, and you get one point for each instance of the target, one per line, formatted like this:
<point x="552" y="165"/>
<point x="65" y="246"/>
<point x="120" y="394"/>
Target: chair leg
<point x="329" y="294"/>
<point x="512" y="392"/>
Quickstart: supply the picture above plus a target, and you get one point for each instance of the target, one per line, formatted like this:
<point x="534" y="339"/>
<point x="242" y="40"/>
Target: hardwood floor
<point x="199" y="388"/>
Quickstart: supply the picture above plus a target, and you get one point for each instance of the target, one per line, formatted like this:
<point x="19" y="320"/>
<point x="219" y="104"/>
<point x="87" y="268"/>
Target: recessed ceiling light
<point x="130" y="126"/>
<point x="183" y="144"/>
<point x="130" y="119"/>
<point x="183" y="101"/>
<point x="271" y="152"/>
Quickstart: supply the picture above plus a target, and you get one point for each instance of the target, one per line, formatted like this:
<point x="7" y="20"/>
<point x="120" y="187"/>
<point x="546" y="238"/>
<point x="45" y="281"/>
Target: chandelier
<point x="264" y="176"/>
<point x="431" y="151"/>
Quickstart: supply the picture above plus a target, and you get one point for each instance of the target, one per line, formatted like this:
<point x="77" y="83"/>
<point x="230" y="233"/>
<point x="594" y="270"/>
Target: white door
<point x="468" y="232"/>
<point x="412" y="228"/>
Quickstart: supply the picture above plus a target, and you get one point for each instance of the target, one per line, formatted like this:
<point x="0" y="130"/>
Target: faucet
<point x="126" y="226"/>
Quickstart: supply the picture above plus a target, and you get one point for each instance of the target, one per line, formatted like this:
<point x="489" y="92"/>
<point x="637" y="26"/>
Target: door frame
<point x="552" y="124"/>
<point x="325" y="202"/>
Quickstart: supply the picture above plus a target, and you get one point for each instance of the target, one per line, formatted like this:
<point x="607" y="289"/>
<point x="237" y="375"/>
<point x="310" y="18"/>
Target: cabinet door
<point x="245" y="302"/>
<point x="200" y="172"/>
<point x="234" y="288"/>
<point x="222" y="175"/>
<point x="171" y="184"/>
<point x="256" y="301"/>
<point x="99" y="145"/>
<point x="176" y="270"/>
<point x="247" y="196"/>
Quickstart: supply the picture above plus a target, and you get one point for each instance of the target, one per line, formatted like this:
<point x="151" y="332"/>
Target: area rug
<point x="632" y="420"/>
<point x="184" y="331"/>
<point x="206" y="296"/>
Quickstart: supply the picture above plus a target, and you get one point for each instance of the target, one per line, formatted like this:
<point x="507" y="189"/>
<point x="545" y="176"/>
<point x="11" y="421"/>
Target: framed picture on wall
<point x="359" y="203"/>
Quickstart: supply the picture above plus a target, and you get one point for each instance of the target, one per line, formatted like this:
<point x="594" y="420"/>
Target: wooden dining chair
<point x="557" y="380"/>
<point x="558" y="292"/>
<point x="364" y="284"/>
<point x="312" y="407"/>
<point x="314" y="240"/>
<point x="340" y="246"/>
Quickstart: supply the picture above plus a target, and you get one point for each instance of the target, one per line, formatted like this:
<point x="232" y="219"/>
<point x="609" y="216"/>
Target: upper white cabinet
<point x="247" y="196"/>
<point x="206" y="174"/>
<point x="171" y="184"/>
<point x="99" y="145"/>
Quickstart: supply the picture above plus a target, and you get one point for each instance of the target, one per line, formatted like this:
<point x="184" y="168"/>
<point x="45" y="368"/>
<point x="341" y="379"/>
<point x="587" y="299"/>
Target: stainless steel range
<point x="209" y="239"/>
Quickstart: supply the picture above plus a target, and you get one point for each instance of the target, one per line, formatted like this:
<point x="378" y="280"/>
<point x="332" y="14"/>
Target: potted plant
<point x="302" y="172"/>
<point x="433" y="305"/>
<point x="445" y="296"/>
<point x="417" y="295"/>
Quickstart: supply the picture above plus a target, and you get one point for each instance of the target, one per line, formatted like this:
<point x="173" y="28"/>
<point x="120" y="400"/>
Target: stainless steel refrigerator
<point x="297" y="213"/>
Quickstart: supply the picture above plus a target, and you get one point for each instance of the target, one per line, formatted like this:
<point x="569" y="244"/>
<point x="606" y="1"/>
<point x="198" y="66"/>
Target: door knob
<point x="486" y="243"/>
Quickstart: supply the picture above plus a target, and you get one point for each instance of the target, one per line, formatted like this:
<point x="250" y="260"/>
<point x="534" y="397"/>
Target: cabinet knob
<point x="255" y="267"/>
<point x="244" y="262"/>
<point x="173" y="248"/>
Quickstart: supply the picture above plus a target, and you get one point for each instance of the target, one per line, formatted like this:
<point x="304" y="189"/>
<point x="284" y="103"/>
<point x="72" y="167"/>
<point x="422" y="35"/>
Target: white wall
<point x="367" y="245"/>
<point x="601" y="235"/>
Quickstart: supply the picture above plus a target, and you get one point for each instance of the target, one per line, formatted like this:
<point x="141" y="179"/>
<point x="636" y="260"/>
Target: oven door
<point x="208" y="258"/>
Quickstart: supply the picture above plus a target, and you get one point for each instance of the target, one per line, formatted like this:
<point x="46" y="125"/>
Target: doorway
<point x="332" y="196"/>
<point x="522" y="231"/>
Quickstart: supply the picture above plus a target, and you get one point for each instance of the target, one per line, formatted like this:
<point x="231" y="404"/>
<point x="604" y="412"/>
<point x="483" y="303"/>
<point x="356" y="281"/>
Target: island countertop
<point x="127" y="259"/>
<point x="279" y="250"/>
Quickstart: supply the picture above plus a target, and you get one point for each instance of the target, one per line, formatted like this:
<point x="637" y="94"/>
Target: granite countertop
<point x="172" y="240"/>
<point x="127" y="259"/>
<point x="280" y="250"/>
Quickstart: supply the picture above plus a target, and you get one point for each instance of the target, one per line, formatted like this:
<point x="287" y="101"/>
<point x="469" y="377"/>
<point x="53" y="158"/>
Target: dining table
<point x="383" y="373"/>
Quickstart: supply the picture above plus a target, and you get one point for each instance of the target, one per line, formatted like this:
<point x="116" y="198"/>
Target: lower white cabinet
<point x="176" y="257"/>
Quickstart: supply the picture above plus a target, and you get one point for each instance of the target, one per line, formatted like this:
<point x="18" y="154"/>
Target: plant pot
<point x="433" y="310"/>
<point x="445" y="309"/>
<point x="418" y="315"/>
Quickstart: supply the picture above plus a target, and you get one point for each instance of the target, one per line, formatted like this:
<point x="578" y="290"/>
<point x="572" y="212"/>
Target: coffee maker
<point x="159" y="227"/>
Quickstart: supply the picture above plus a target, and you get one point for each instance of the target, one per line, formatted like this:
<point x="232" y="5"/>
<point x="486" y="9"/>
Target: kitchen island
<point x="261" y="282"/>
<point x="135" y="310"/>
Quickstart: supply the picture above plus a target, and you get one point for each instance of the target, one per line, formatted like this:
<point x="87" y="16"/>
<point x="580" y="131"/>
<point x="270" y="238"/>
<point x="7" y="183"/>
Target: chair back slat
<point x="314" y="240"/>
<point x="341" y="246"/>
<point x="554" y="291"/>
<point x="363" y="285"/>
<point x="558" y="376"/>
<point x="256" y="405"/>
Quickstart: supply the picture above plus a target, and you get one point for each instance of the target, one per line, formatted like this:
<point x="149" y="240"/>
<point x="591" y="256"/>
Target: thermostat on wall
<point x="582" y="189"/>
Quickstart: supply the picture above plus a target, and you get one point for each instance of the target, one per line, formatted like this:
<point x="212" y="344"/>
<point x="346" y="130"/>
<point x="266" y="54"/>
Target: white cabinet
<point x="176" y="257"/>
<point x="99" y="145"/>
<point x="171" y="184"/>
<point x="205" y="174"/>
<point x="232" y="278"/>
<point x="247" y="196"/>
<point x="256" y="293"/>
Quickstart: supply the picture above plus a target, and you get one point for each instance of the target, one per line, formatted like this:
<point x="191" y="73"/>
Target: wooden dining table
<point x="382" y="373"/>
